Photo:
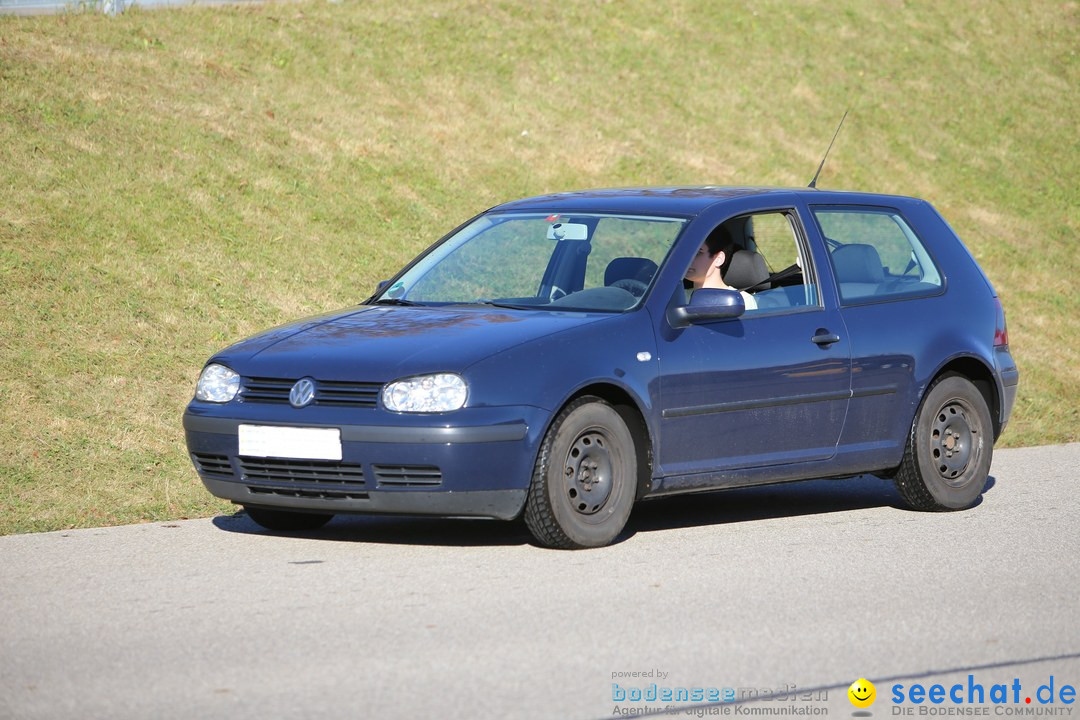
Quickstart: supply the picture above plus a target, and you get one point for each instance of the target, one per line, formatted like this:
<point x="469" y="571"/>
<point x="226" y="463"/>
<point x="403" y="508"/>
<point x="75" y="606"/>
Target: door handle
<point x="824" y="337"/>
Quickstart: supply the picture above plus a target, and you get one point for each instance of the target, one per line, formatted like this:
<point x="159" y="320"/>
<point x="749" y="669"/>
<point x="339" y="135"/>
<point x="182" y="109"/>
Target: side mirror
<point x="707" y="304"/>
<point x="382" y="284"/>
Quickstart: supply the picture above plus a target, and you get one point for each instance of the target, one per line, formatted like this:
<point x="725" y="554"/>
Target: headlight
<point x="426" y="394"/>
<point x="217" y="384"/>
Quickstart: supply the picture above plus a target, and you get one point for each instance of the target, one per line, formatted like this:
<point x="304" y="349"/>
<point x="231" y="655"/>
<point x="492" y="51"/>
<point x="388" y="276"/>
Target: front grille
<point x="307" y="471"/>
<point x="319" y="494"/>
<point x="327" y="392"/>
<point x="331" y="392"/>
<point x="326" y="479"/>
<point x="267" y="390"/>
<point x="407" y="475"/>
<point x="212" y="465"/>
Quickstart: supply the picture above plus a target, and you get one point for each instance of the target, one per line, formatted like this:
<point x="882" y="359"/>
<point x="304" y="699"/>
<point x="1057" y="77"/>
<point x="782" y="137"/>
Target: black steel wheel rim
<point x="954" y="441"/>
<point x="588" y="471"/>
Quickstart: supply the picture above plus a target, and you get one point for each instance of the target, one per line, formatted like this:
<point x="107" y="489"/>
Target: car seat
<point x="748" y="272"/>
<point x="859" y="271"/>
<point x="632" y="274"/>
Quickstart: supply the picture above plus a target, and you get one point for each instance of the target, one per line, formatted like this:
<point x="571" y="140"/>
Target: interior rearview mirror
<point x="568" y="231"/>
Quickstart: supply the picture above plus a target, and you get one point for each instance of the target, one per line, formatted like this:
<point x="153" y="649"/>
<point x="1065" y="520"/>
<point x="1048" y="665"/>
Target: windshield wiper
<point x="396" y="301"/>
<point x="510" y="306"/>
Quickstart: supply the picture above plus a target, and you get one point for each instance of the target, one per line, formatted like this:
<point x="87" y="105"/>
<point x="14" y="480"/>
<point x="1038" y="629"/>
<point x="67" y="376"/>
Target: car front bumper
<point x="480" y="465"/>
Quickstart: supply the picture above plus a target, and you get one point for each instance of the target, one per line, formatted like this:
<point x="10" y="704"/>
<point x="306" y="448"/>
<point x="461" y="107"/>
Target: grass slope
<point x="175" y="180"/>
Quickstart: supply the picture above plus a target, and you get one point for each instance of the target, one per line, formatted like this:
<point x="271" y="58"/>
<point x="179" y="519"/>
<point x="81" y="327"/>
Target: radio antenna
<point x="813" y="183"/>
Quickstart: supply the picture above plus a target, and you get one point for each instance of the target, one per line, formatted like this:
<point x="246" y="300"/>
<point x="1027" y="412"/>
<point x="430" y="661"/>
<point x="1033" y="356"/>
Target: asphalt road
<point x="807" y="586"/>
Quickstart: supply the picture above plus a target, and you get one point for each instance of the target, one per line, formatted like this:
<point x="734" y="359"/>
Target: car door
<point x="768" y="388"/>
<point x="891" y="295"/>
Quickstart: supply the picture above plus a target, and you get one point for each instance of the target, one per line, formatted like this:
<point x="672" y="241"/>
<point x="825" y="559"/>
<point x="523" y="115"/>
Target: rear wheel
<point x="584" y="482"/>
<point x="285" y="521"/>
<point x="949" y="449"/>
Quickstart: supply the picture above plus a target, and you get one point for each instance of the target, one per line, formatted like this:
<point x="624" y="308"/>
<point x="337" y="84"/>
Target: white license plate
<point x="290" y="442"/>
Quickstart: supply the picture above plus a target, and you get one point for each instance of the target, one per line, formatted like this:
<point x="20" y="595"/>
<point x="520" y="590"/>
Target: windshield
<point x="570" y="261"/>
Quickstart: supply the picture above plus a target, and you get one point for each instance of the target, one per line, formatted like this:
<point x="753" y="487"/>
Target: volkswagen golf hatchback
<point x="548" y="358"/>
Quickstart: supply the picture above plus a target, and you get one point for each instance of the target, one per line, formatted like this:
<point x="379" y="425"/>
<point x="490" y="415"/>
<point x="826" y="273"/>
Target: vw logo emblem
<point x="302" y="393"/>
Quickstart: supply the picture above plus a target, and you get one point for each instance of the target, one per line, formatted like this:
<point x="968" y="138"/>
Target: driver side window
<point x="782" y="278"/>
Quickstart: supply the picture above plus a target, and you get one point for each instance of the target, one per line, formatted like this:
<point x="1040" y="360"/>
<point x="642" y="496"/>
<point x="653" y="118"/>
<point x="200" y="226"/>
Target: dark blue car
<point x="565" y="356"/>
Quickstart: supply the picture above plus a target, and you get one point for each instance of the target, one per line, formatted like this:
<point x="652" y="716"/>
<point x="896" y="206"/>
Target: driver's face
<point x="703" y="265"/>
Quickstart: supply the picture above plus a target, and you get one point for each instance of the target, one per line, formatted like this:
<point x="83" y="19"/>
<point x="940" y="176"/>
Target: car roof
<point x="682" y="201"/>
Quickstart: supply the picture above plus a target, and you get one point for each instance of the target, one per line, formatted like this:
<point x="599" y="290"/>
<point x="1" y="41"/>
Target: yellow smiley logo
<point x="862" y="693"/>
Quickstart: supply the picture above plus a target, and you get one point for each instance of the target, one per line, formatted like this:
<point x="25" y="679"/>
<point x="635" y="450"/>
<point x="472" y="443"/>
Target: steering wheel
<point x="556" y="293"/>
<point x="634" y="287"/>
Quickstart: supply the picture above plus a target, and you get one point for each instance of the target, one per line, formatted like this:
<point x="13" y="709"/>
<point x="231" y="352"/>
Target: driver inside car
<point x="711" y="263"/>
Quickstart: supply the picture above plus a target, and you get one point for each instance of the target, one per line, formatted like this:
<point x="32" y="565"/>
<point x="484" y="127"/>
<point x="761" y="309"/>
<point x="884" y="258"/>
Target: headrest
<point x="747" y="271"/>
<point x="858" y="263"/>
<point x="629" y="268"/>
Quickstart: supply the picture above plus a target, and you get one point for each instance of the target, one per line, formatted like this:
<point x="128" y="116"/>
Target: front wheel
<point x="285" y="521"/>
<point x="947" y="458"/>
<point x="585" y="478"/>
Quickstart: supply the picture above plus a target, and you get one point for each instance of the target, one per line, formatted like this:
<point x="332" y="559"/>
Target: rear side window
<point x="875" y="254"/>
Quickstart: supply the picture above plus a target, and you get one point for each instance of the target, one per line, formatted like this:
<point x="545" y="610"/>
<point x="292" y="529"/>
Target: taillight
<point x="1001" y="332"/>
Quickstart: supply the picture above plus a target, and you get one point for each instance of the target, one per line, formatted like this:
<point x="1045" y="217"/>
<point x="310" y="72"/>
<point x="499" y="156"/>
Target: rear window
<point x="875" y="254"/>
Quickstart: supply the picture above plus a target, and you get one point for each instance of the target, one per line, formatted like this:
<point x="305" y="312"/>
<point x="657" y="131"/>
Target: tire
<point x="285" y="521"/>
<point x="585" y="480"/>
<point x="947" y="458"/>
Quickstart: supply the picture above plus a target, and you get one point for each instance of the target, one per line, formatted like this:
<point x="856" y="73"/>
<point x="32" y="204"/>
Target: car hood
<point x="382" y="343"/>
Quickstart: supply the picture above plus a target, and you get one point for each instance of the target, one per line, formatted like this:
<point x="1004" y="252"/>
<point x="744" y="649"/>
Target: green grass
<point x="175" y="180"/>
